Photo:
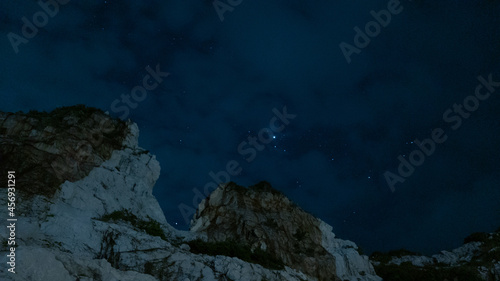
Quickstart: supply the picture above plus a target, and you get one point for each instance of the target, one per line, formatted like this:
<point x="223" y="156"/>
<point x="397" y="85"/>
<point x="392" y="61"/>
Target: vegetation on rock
<point x="386" y="257"/>
<point x="477" y="237"/>
<point x="408" y="272"/>
<point x="489" y="253"/>
<point x="150" y="226"/>
<point x="264" y="186"/>
<point x="48" y="148"/>
<point x="232" y="248"/>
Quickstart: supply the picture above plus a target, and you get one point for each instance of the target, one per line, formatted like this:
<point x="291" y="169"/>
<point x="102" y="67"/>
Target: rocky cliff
<point x="48" y="149"/>
<point x="478" y="259"/>
<point x="265" y="219"/>
<point x="85" y="211"/>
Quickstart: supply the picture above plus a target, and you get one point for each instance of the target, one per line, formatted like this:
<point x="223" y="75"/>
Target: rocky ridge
<point x="51" y="148"/>
<point x="86" y="211"/>
<point x="478" y="259"/>
<point x="265" y="219"/>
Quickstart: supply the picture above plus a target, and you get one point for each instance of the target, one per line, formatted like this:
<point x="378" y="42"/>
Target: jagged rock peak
<point x="50" y="148"/>
<point x="266" y="220"/>
<point x="477" y="259"/>
<point x="106" y="225"/>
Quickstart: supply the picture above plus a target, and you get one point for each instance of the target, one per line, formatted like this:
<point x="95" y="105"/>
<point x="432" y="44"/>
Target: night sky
<point x="224" y="73"/>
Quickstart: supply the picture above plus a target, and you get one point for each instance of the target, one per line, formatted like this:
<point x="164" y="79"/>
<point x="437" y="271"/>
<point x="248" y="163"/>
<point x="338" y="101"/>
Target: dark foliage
<point x="477" y="237"/>
<point x="408" y="272"/>
<point x="150" y="226"/>
<point x="232" y="248"/>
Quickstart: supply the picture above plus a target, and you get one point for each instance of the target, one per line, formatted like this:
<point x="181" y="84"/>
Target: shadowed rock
<point x="263" y="218"/>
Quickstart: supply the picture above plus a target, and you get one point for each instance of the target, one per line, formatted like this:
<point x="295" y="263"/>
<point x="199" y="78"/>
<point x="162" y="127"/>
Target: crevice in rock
<point x="107" y="250"/>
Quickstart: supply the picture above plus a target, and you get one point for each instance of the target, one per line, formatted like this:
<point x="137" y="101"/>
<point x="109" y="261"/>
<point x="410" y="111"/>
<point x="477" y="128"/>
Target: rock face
<point x="265" y="219"/>
<point x="457" y="256"/>
<point x="48" y="149"/>
<point x="85" y="211"/>
<point x="477" y="259"/>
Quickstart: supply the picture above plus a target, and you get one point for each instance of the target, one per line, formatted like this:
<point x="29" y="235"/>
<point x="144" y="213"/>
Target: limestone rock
<point x="478" y="258"/>
<point x="48" y="149"/>
<point x="457" y="256"/>
<point x="265" y="219"/>
<point x="97" y="219"/>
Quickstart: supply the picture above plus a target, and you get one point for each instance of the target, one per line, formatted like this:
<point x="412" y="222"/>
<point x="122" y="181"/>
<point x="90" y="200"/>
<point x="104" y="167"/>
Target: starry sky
<point x="330" y="101"/>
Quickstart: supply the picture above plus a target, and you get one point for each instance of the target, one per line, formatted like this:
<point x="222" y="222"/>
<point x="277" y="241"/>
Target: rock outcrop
<point x="477" y="259"/>
<point x="455" y="257"/>
<point x="265" y="219"/>
<point x="85" y="211"/>
<point x="48" y="149"/>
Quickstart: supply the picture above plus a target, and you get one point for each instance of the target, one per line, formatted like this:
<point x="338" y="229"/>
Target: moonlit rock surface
<point x="262" y="217"/>
<point x="459" y="255"/>
<point x="349" y="263"/>
<point x="60" y="234"/>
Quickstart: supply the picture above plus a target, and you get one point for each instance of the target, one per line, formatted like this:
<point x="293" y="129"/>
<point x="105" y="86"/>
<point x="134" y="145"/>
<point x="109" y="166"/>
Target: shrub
<point x="265" y="259"/>
<point x="150" y="226"/>
<point x="380" y="257"/>
<point x="386" y="257"/>
<point x="123" y="215"/>
<point x="477" y="237"/>
<point x="408" y="272"/>
<point x="40" y="169"/>
<point x="360" y="251"/>
<point x="238" y="188"/>
<point x="300" y="234"/>
<point x="402" y="252"/>
<point x="55" y="118"/>
<point x="232" y="248"/>
<point x="489" y="252"/>
<point x="264" y="186"/>
<point x="148" y="268"/>
<point x="270" y="223"/>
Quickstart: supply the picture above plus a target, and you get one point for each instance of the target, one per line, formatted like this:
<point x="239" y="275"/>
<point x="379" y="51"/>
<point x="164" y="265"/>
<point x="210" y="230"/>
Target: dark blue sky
<point x="226" y="76"/>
